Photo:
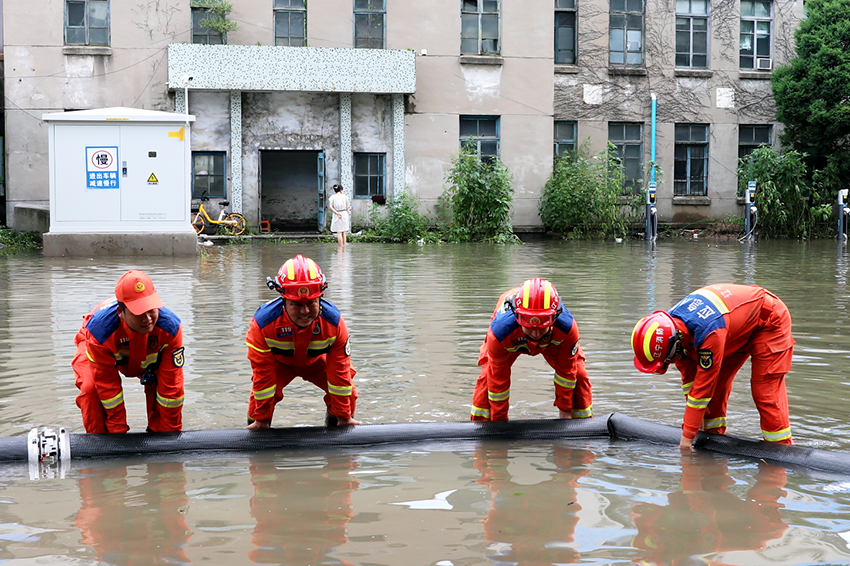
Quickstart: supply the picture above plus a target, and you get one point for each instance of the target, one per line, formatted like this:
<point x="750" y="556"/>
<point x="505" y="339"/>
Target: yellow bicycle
<point x="233" y="223"/>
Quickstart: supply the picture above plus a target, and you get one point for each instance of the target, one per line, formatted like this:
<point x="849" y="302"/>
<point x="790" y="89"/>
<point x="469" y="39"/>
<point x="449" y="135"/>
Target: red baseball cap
<point x="136" y="291"/>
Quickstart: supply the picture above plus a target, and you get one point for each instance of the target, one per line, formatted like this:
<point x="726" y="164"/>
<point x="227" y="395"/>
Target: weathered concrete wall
<point x="371" y="132"/>
<point x="99" y="245"/>
<point x="211" y="132"/>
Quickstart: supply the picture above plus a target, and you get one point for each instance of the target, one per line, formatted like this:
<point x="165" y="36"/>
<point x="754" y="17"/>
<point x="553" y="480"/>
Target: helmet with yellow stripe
<point x="536" y="304"/>
<point x="299" y="279"/>
<point x="654" y="340"/>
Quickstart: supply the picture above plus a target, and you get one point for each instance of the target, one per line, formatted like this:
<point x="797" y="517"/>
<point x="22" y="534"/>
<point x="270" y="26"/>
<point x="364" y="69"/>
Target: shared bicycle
<point x="232" y="223"/>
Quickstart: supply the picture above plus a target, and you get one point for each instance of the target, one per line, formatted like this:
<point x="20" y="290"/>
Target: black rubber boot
<point x="330" y="420"/>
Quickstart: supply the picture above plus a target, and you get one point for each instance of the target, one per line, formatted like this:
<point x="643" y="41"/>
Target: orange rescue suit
<point x="504" y="343"/>
<point x="722" y="326"/>
<point x="280" y="351"/>
<point x="107" y="346"/>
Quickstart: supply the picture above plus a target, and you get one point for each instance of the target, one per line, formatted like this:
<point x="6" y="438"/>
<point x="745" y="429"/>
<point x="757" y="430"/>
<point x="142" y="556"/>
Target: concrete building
<point x="377" y="94"/>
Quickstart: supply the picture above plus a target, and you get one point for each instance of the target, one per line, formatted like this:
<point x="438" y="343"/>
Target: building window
<point x="565" y="32"/>
<point x="690" y="168"/>
<point x="625" y="32"/>
<point x="756" y="20"/>
<point x="369" y="174"/>
<point x="692" y="33"/>
<point x="290" y="23"/>
<point x="565" y="138"/>
<point x="479" y="27"/>
<point x="750" y="137"/>
<point x="628" y="139"/>
<point x="200" y="34"/>
<point x="483" y="132"/>
<point x="208" y="170"/>
<point x="87" y="22"/>
<point x="369" y="22"/>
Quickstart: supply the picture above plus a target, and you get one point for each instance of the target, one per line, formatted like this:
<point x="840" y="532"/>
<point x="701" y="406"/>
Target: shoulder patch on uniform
<point x="330" y="312"/>
<point x="348" y="347"/>
<point x="104" y="322"/>
<point x="269" y="312"/>
<point x="706" y="358"/>
<point x="178" y="358"/>
<point x="575" y="349"/>
<point x="168" y="321"/>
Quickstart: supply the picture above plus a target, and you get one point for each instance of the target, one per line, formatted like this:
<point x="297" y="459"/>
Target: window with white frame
<point x="290" y="23"/>
<point x="752" y="136"/>
<point x="565" y="137"/>
<point x="201" y="34"/>
<point x="483" y="133"/>
<point x="692" y="34"/>
<point x="565" y="32"/>
<point x="479" y="27"/>
<point x="627" y="137"/>
<point x="369" y="174"/>
<point x="690" y="163"/>
<point x="625" y="32"/>
<point x="756" y="22"/>
<point x="369" y="23"/>
<point x="208" y="174"/>
<point x="87" y="22"/>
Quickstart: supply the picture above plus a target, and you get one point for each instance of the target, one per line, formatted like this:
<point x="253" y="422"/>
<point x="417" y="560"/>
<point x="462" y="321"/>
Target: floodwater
<point x="417" y="315"/>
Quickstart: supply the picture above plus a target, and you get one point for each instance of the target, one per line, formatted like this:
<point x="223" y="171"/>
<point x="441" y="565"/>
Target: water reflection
<point x="134" y="514"/>
<point x="702" y="517"/>
<point x="533" y="524"/>
<point x="302" y="508"/>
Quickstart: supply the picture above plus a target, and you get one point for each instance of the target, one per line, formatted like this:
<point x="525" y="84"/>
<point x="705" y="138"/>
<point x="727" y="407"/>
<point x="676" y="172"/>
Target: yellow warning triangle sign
<point x="153" y="179"/>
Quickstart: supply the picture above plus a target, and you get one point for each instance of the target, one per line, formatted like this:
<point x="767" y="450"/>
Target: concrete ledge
<point x="31" y="217"/>
<point x="100" y="245"/>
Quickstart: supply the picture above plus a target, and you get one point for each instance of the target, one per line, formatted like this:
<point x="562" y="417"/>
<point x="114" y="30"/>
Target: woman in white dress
<point x="340" y="224"/>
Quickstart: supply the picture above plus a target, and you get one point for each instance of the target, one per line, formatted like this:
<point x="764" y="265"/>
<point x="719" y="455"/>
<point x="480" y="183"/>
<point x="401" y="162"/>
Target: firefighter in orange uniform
<point x="300" y="335"/>
<point x="134" y="335"/>
<point x="531" y="320"/>
<point x="709" y="335"/>
<point x="703" y="518"/>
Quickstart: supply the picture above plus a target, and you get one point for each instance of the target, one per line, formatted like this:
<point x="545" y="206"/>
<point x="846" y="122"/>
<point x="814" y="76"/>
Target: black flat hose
<point x="613" y="425"/>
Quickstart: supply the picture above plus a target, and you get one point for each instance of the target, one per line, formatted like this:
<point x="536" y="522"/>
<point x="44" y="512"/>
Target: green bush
<point x="786" y="204"/>
<point x="399" y="220"/>
<point x="478" y="202"/>
<point x="584" y="195"/>
<point x="13" y="242"/>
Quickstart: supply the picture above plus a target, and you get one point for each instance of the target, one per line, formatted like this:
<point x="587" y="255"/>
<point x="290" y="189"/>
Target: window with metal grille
<point x="565" y="32"/>
<point x="479" y="27"/>
<point x="565" y="138"/>
<point x="750" y="137"/>
<point x="692" y="33"/>
<point x="627" y="137"/>
<point x="200" y="34"/>
<point x="625" y="32"/>
<point x="369" y="174"/>
<point x="208" y="174"/>
<point x="690" y="167"/>
<point x="87" y="22"/>
<point x="483" y="132"/>
<point x="290" y="23"/>
<point x="756" y="21"/>
<point x="369" y="23"/>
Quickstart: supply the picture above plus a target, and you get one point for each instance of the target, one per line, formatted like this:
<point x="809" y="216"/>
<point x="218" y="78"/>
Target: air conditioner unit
<point x="764" y="64"/>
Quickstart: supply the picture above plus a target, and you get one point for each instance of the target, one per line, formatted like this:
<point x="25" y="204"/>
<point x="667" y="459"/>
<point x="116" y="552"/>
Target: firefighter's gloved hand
<point x="148" y="377"/>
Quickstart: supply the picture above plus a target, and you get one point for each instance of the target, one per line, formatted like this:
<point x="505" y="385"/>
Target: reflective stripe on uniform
<point x="686" y="388"/>
<point x="279" y="345"/>
<point x="709" y="424"/>
<point x="778" y="435"/>
<point x="320" y="344"/>
<point x="149" y="359"/>
<point x="479" y="412"/>
<point x="256" y="348"/>
<point x="340" y="390"/>
<point x="503" y="396"/>
<point x="114" y="402"/>
<point x="169" y="403"/>
<point x="264" y="393"/>
<point x="564" y="382"/>
<point x="713" y="298"/>
<point x="698" y="403"/>
<point x="583" y="413"/>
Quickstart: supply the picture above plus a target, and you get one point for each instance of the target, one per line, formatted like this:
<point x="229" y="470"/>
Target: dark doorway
<point x="292" y="189"/>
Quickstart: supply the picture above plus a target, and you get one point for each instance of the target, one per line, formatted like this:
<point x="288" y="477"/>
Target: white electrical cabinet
<point x="119" y="170"/>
